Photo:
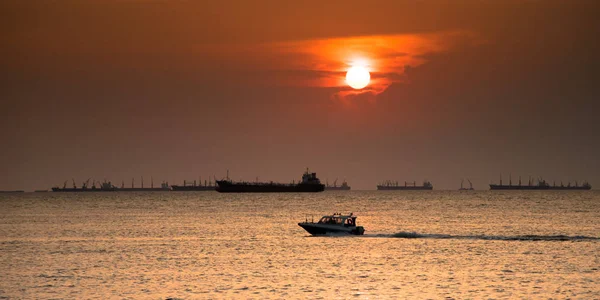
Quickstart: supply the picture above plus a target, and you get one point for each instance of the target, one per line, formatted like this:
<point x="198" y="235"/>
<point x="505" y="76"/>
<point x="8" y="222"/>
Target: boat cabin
<point x="338" y="219"/>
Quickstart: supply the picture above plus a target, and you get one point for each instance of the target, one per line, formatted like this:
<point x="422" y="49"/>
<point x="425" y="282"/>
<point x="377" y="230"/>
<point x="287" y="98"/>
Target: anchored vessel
<point x="107" y="186"/>
<point x="336" y="223"/>
<point x="393" y="185"/>
<point x="309" y="184"/>
<point x="540" y="185"/>
<point x="470" y="188"/>
<point x="189" y="186"/>
<point x="335" y="187"/>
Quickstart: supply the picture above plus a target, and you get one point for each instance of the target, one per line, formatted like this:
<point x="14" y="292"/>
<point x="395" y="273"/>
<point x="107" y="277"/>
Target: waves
<point x="414" y="235"/>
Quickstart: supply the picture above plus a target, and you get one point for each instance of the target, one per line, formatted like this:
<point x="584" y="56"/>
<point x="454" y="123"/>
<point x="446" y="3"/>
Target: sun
<point x="358" y="77"/>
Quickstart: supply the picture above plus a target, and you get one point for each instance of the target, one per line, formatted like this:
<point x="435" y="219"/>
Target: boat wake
<point x="414" y="235"/>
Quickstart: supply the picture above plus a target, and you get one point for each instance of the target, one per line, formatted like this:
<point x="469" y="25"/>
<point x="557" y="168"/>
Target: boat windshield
<point x="331" y="220"/>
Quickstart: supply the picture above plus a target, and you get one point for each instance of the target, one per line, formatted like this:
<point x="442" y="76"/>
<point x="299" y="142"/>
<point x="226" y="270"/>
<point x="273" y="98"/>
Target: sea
<point x="206" y="245"/>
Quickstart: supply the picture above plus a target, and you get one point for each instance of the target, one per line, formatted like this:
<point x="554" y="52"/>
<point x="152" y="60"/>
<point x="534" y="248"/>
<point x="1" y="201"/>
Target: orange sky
<point x="467" y="89"/>
<point x="324" y="62"/>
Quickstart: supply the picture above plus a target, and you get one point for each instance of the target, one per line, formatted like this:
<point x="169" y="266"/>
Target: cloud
<point x="324" y="62"/>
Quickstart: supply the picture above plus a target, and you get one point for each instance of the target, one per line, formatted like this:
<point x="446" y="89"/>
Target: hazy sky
<point x="181" y="89"/>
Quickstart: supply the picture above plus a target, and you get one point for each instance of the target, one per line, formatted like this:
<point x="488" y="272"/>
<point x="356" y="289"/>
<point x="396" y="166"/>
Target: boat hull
<point x="323" y="229"/>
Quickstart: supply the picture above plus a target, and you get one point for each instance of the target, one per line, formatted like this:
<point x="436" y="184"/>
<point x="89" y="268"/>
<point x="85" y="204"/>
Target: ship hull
<point x="81" y="190"/>
<point x="192" y="188"/>
<point x="228" y="187"/>
<point x="78" y="190"/>
<point x="404" y="188"/>
<point x="337" y="188"/>
<point x="142" y="189"/>
<point x="537" y="187"/>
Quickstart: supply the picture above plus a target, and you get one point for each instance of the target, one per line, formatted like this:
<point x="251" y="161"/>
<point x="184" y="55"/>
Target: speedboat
<point x="336" y="223"/>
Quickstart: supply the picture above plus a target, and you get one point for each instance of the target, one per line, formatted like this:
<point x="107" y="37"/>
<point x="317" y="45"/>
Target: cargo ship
<point x="335" y="187"/>
<point x="107" y="186"/>
<point x="540" y="185"/>
<point x="188" y="186"/>
<point x="164" y="186"/>
<point x="309" y="184"/>
<point x="393" y="186"/>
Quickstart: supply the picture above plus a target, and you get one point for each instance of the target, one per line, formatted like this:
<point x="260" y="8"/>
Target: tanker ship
<point x="309" y="184"/>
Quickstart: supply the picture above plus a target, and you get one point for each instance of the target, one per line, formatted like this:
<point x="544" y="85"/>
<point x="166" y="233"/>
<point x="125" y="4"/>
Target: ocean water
<point x="206" y="245"/>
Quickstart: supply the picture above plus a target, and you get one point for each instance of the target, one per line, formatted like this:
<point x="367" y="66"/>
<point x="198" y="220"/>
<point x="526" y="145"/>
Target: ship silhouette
<point x="540" y="185"/>
<point x="393" y="185"/>
<point x="309" y="184"/>
<point x="335" y="187"/>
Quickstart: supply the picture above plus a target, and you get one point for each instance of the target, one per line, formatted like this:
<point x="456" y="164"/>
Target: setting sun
<point x="358" y="77"/>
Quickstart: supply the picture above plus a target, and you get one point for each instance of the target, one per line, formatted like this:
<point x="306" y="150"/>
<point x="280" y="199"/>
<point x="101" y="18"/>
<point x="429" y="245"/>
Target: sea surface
<point x="206" y="245"/>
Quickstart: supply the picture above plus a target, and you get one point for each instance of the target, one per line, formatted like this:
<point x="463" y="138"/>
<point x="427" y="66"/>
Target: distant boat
<point x="309" y="184"/>
<point x="335" y="187"/>
<point x="540" y="185"/>
<point x="391" y="185"/>
<point x="107" y="186"/>
<point x="470" y="188"/>
<point x="12" y="192"/>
